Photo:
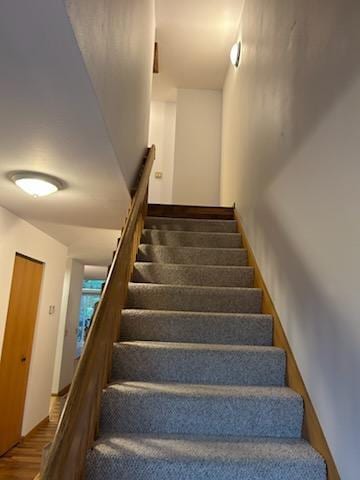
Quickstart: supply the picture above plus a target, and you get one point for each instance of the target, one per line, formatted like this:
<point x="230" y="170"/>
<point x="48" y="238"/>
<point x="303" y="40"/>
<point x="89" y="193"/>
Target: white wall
<point x="291" y="162"/>
<point x="68" y="325"/>
<point x="47" y="95"/>
<point x="197" y="147"/>
<point x="117" y="42"/>
<point x="16" y="235"/>
<point x="95" y="272"/>
<point x="162" y="134"/>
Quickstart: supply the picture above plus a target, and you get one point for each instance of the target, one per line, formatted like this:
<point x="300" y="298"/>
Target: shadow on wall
<point x="291" y="115"/>
<point x="311" y="63"/>
<point x="313" y="338"/>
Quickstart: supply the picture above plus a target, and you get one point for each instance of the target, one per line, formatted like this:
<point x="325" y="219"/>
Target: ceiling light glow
<point x="36" y="184"/>
<point x="235" y="54"/>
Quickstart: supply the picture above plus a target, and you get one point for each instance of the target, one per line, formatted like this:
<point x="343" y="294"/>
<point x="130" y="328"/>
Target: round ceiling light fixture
<point x="235" y="54"/>
<point x="36" y="184"/>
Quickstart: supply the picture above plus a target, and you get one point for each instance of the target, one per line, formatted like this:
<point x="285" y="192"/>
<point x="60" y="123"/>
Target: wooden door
<point x="17" y="347"/>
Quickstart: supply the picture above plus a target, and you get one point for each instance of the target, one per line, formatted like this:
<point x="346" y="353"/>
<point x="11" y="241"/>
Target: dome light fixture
<point x="235" y="54"/>
<point x="36" y="184"/>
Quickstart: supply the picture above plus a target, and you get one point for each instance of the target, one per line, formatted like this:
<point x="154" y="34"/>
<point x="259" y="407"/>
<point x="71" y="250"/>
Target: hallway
<point x="23" y="461"/>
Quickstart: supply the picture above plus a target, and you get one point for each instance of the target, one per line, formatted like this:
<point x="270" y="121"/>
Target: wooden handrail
<point x="78" y="426"/>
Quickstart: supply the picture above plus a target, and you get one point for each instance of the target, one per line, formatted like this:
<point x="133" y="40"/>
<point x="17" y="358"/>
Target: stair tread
<point x="147" y="456"/>
<point x="196" y="363"/>
<point x="211" y="250"/>
<point x="191" y="233"/>
<point x="201" y="390"/>
<point x="149" y="286"/>
<point x="197" y="327"/>
<point x="194" y="298"/>
<point x="201" y="409"/>
<point x="192" y="255"/>
<point x="201" y="275"/>
<point x="184" y="266"/>
<point x="200" y="346"/>
<point x="180" y="314"/>
<point x="195" y="225"/>
<point x="190" y="238"/>
<point x="234" y="447"/>
<point x="190" y="220"/>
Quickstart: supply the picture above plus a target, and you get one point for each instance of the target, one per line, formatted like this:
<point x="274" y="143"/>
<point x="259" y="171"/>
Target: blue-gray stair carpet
<point x="198" y="391"/>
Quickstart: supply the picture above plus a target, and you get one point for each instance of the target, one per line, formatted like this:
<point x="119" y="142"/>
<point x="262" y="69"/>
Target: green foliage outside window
<point x="87" y="305"/>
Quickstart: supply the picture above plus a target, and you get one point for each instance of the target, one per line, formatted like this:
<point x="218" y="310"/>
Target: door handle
<point x="23" y="359"/>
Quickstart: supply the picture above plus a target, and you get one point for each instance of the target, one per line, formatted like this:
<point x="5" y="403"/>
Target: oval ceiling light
<point x="235" y="54"/>
<point x="36" y="184"/>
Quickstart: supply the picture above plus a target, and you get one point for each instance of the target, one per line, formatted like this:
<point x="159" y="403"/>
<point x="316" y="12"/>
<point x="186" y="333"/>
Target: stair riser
<point x="189" y="275"/>
<point x="194" y="212"/>
<point x="192" y="256"/>
<point x="194" y="299"/>
<point x="187" y="327"/>
<point x="132" y="467"/>
<point x="263" y="368"/>
<point x="191" y="239"/>
<point x="190" y="225"/>
<point x="171" y="414"/>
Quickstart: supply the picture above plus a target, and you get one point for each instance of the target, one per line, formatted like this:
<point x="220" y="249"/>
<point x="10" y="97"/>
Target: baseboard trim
<point x="312" y="430"/>
<point x="62" y="392"/>
<point x="43" y="422"/>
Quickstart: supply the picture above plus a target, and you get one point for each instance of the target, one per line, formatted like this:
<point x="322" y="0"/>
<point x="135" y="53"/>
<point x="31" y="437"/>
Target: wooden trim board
<point x="191" y="211"/>
<point x="312" y="430"/>
<point x="62" y="392"/>
<point x="41" y="424"/>
<point x="35" y="260"/>
<point x="78" y="427"/>
<point x="156" y="67"/>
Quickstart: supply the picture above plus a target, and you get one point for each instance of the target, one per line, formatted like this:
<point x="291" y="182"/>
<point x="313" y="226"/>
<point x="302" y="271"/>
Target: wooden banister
<point x="78" y="426"/>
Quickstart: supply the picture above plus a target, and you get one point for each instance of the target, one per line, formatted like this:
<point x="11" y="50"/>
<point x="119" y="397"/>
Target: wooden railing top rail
<point x="78" y="425"/>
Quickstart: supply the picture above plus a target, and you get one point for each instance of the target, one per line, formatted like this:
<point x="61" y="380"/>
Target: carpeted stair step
<point x="166" y="457"/>
<point x="191" y="239"/>
<point x="193" y="255"/>
<point x="201" y="410"/>
<point x="198" y="390"/>
<point x="198" y="363"/>
<point x="201" y="275"/>
<point x="196" y="327"/>
<point x="190" y="224"/>
<point x="194" y="299"/>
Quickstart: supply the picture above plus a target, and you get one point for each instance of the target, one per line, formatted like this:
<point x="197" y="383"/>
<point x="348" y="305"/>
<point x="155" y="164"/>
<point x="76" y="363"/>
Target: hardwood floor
<point x="23" y="461"/>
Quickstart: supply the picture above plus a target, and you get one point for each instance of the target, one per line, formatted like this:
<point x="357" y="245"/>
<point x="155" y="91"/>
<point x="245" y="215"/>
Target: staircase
<point x="198" y="390"/>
